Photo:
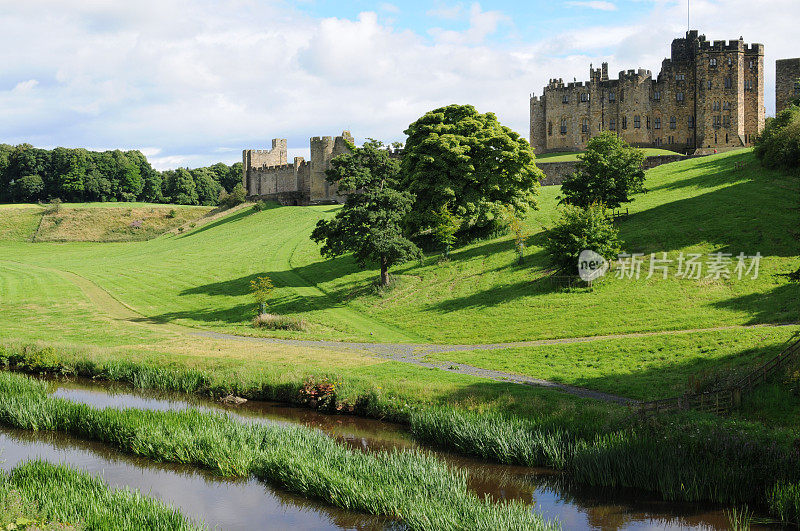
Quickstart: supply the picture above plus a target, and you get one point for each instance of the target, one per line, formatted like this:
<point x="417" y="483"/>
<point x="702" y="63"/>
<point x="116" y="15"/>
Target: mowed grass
<point x="643" y="368"/>
<point x="573" y="156"/>
<point x="480" y="295"/>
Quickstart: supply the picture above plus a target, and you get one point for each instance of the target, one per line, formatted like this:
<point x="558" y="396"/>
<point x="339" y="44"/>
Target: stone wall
<point x="266" y="175"/>
<point x="556" y="172"/>
<point x="787" y="74"/>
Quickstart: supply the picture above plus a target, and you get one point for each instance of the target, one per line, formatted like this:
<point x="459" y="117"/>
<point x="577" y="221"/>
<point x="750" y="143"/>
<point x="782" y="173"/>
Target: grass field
<point x="200" y="279"/>
<point x="573" y="156"/>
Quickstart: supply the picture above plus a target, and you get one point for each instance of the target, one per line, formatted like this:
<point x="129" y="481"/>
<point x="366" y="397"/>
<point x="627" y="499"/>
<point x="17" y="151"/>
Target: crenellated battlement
<point x="267" y="173"/>
<point x="686" y="107"/>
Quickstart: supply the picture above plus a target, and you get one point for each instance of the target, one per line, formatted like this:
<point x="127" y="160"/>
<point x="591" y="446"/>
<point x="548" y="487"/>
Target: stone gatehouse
<point x="707" y="96"/>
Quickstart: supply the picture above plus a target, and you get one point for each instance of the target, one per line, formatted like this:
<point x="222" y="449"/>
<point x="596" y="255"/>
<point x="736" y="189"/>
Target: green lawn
<point x="573" y="156"/>
<point x="200" y="278"/>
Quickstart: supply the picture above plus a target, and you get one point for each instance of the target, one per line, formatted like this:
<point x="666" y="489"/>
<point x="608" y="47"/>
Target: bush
<point x="236" y="197"/>
<point x="54" y="207"/>
<point x="278" y="322"/>
<point x="608" y="172"/>
<point x="260" y="205"/>
<point x="172" y="213"/>
<point x="580" y="229"/>
<point x="778" y="146"/>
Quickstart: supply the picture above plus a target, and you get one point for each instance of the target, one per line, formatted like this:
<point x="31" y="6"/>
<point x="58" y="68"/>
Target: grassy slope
<point x="572" y="156"/>
<point x="201" y="279"/>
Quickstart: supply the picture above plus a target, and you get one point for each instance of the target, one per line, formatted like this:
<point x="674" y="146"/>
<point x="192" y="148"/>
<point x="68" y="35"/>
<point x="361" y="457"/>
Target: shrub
<point x="278" y="322"/>
<point x="580" y="229"/>
<point x="172" y="213"/>
<point x="608" y="172"/>
<point x="260" y="205"/>
<point x="778" y="146"/>
<point x="53" y="207"/>
<point x="236" y="197"/>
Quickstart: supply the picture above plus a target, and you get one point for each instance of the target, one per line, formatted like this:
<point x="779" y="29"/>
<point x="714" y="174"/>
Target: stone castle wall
<point x="267" y="175"/>
<point x="787" y="82"/>
<point x="707" y="95"/>
<point x="556" y="172"/>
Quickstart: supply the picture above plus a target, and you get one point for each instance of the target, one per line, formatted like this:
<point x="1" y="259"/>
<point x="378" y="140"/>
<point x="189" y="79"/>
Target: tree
<point x="456" y="156"/>
<point x="369" y="223"/>
<point x="778" y="146"/>
<point x="580" y="229"/>
<point x="236" y="197"/>
<point x="28" y="189"/>
<point x="608" y="172"/>
<point x="181" y="188"/>
<point x="445" y="227"/>
<point x="261" y="288"/>
<point x="518" y="230"/>
<point x="207" y="187"/>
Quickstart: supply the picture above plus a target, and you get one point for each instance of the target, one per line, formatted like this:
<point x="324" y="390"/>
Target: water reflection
<point x="547" y="491"/>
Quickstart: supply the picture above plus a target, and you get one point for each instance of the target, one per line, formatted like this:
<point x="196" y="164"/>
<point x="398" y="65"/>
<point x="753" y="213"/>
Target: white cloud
<point x="389" y="8"/>
<point x="594" y="4"/>
<point x="25" y="86"/>
<point x="189" y="77"/>
<point x="447" y="12"/>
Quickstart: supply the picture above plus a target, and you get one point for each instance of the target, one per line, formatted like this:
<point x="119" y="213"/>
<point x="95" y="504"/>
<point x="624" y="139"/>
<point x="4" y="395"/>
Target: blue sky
<point x="192" y="82"/>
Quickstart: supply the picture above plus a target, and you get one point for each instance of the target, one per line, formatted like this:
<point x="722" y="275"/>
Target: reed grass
<point x="410" y="486"/>
<point x="40" y="495"/>
<point x="784" y="502"/>
<point x="685" y="457"/>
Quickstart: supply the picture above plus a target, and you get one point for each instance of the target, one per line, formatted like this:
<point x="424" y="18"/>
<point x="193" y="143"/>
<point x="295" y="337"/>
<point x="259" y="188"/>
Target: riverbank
<point x="686" y="457"/>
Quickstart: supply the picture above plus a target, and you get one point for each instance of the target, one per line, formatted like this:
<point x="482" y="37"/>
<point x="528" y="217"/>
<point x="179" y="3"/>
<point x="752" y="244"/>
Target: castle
<point x="787" y="82"/>
<point x="266" y="174"/>
<point x="708" y="96"/>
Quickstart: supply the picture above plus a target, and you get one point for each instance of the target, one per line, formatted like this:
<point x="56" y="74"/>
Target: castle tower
<point x="787" y="82"/>
<point x="260" y="158"/>
<point x="323" y="149"/>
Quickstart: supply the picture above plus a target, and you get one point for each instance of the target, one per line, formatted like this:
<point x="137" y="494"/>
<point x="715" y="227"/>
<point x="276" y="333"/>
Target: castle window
<point x="730" y="61"/>
<point x="657" y="123"/>
<point x="691" y="122"/>
<point x="585" y="125"/>
<point x="726" y="121"/>
<point x="563" y="126"/>
<point x="679" y="97"/>
<point x="726" y="138"/>
<point x="637" y="122"/>
<point x="648" y="122"/>
<point x="752" y="64"/>
<point x="680" y="77"/>
<point x="748" y="85"/>
<point x="550" y="129"/>
<point x="712" y="62"/>
<point x="621" y="95"/>
<point x="670" y="140"/>
<point x="717" y="122"/>
<point x="612" y="97"/>
<point x="673" y="123"/>
<point x="726" y="105"/>
<point x="657" y="95"/>
<point x="715" y="105"/>
<point x="624" y="122"/>
<point x="565" y="98"/>
<point x="709" y="84"/>
<point x="612" y="124"/>
<point x="728" y="82"/>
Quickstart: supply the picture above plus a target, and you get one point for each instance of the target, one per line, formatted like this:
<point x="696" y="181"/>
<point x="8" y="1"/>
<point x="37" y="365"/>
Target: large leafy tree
<point x="608" y="172"/>
<point x="579" y="229"/>
<point x="369" y="223"/>
<point x="460" y="159"/>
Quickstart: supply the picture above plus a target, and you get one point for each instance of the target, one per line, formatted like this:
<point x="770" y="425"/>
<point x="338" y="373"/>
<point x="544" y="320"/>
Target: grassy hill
<point x="200" y="278"/>
<point x="95" y="222"/>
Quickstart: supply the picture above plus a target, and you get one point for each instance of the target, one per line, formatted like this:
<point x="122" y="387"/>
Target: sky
<point x="193" y="82"/>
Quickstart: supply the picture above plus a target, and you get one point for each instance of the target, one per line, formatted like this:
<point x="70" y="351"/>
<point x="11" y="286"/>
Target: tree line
<point x="29" y="174"/>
